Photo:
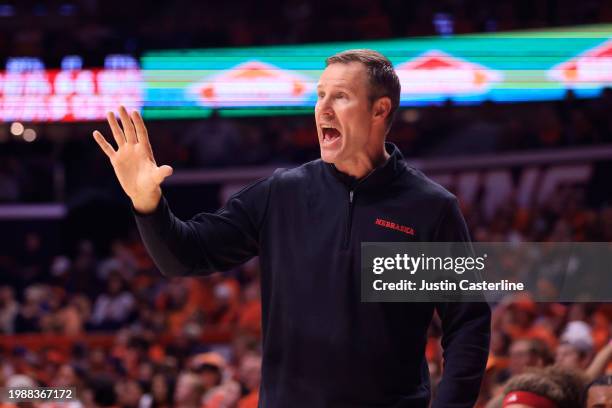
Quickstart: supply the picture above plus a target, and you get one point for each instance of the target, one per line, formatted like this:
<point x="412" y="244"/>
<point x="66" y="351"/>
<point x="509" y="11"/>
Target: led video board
<point x="501" y="67"/>
<point x="31" y="93"/>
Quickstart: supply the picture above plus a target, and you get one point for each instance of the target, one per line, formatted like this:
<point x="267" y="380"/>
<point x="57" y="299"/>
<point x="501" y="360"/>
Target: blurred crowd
<point x="94" y="28"/>
<point x="195" y="342"/>
<point x="156" y="353"/>
<point x="64" y="159"/>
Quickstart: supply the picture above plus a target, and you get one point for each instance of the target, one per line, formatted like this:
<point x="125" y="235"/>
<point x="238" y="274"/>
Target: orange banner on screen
<point x="591" y="66"/>
<point x="439" y="72"/>
<point x="252" y="83"/>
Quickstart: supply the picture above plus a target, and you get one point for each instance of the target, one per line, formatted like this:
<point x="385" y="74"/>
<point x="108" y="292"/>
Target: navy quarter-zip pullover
<point x="323" y="347"/>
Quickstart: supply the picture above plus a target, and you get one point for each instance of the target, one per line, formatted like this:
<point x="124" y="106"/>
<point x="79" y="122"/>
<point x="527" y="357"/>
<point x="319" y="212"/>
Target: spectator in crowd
<point x="9" y="309"/>
<point x="113" y="308"/>
<point x="576" y="347"/>
<point x="189" y="391"/>
<point x="599" y="393"/>
<point x="544" y="388"/>
<point x="130" y="394"/>
<point x="211" y="369"/>
<point x="161" y="391"/>
<point x="249" y="375"/>
<point x="528" y="353"/>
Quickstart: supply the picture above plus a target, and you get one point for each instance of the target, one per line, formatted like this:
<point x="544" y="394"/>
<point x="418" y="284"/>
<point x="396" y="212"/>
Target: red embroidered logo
<point x="392" y="225"/>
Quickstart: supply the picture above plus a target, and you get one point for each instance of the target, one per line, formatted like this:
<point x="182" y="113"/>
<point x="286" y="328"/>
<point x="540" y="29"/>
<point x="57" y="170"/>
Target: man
<point x="551" y="387"/>
<point x="322" y="347"/>
<point x="189" y="391"/>
<point x="573" y="355"/>
<point x="575" y="351"/>
<point x="599" y="393"/>
<point x="528" y="353"/>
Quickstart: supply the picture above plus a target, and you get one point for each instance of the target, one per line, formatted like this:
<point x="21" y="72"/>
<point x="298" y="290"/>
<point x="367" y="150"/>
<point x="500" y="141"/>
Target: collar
<point x="378" y="177"/>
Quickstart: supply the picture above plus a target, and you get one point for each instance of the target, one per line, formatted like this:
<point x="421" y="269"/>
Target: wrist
<point x="148" y="204"/>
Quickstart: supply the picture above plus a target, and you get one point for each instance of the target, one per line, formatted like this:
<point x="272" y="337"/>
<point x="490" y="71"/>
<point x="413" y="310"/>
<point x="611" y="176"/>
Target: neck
<point x="363" y="164"/>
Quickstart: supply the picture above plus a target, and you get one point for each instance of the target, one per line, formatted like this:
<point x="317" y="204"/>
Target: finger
<point x="128" y="126"/>
<point x="116" y="129"/>
<point x="163" y="172"/>
<point x="141" y="132"/>
<point x="104" y="145"/>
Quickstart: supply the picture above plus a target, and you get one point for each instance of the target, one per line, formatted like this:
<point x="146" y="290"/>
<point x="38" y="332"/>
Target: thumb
<point x="163" y="172"/>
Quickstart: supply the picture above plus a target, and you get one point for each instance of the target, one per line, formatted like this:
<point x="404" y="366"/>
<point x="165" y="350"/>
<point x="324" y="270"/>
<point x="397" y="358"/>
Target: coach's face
<point x="343" y="113"/>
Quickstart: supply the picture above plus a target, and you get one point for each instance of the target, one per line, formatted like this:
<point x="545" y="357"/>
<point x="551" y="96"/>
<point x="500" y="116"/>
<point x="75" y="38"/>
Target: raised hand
<point x="133" y="161"/>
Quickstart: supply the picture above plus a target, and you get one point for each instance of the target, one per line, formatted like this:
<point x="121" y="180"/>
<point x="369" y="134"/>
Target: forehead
<point x="566" y="347"/>
<point x="601" y="391"/>
<point x="350" y="75"/>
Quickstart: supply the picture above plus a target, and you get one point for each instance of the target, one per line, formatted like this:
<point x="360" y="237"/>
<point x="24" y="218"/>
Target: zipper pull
<point x="351" y="196"/>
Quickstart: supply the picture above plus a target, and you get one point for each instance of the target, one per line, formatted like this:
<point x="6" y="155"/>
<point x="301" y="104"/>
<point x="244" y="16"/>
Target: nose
<point x="325" y="108"/>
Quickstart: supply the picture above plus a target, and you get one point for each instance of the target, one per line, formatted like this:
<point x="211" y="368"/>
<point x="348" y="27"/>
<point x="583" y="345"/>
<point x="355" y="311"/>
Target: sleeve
<point x="466" y="329"/>
<point x="208" y="242"/>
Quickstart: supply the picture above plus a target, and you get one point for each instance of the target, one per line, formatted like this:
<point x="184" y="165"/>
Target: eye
<point x="341" y="95"/>
<point x="321" y="94"/>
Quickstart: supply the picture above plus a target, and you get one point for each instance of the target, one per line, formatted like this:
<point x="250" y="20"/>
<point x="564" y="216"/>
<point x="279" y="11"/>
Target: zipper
<point x="351" y="202"/>
<point x="349" y="219"/>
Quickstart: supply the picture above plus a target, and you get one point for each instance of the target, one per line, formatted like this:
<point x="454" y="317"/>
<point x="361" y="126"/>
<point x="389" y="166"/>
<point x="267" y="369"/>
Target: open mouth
<point x="330" y="134"/>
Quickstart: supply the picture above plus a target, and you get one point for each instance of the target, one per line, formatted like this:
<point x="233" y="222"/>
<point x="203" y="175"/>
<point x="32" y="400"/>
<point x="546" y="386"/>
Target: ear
<point x="382" y="107"/>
